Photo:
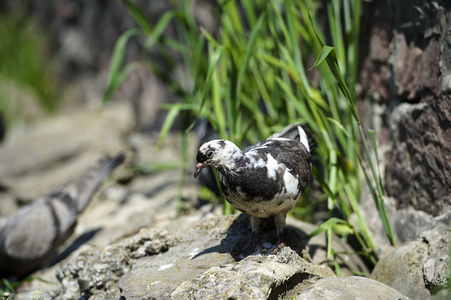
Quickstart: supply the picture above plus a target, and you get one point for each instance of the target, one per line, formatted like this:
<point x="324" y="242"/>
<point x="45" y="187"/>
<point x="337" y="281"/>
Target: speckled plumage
<point x="265" y="179"/>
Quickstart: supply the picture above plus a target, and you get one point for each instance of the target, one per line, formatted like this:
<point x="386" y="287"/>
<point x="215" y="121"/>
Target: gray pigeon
<point x="32" y="235"/>
<point x="265" y="179"/>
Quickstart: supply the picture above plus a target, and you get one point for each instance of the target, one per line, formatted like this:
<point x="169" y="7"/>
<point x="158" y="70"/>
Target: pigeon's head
<point x="216" y="153"/>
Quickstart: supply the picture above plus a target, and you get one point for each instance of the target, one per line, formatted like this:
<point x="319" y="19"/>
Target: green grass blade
<point x="155" y="34"/>
<point x="337" y="267"/>
<point x="379" y="179"/>
<point x="322" y="56"/>
<point x="325" y="226"/>
<point x="139" y="17"/>
<point x="117" y="80"/>
<point x="218" y="109"/>
<point x="116" y="75"/>
<point x="174" y="110"/>
<point x="244" y="64"/>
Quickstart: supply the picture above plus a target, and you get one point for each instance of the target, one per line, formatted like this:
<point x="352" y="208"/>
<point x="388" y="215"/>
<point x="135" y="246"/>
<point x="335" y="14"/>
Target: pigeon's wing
<point x="290" y="132"/>
<point x="296" y="132"/>
<point x="256" y="145"/>
<point x="296" y="157"/>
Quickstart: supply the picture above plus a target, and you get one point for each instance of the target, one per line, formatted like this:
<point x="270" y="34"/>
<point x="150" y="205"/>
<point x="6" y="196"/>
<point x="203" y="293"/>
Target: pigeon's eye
<point x="210" y="154"/>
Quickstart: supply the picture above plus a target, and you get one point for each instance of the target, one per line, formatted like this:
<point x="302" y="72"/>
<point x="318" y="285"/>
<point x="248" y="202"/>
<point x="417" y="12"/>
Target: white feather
<point x="290" y="182"/>
<point x="303" y="138"/>
<point x="272" y="166"/>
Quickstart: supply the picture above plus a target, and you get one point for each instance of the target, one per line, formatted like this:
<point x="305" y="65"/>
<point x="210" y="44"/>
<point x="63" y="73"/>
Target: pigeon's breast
<point x="261" y="191"/>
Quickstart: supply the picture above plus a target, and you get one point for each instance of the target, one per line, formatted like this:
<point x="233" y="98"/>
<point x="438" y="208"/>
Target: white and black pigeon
<point x="265" y="179"/>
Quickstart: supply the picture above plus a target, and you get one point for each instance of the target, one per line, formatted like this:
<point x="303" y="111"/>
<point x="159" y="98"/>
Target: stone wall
<point x="406" y="70"/>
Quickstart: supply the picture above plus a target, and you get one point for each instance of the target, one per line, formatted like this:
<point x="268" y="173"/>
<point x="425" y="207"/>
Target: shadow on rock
<point x="80" y="241"/>
<point x="239" y="235"/>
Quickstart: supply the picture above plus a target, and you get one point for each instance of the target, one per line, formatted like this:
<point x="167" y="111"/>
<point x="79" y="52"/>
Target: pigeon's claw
<point x="277" y="249"/>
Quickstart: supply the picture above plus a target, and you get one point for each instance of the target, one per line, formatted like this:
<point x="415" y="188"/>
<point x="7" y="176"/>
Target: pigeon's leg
<point x="280" y="226"/>
<point x="255" y="223"/>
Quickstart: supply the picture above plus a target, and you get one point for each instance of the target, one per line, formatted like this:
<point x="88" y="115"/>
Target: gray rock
<point x="407" y="223"/>
<point x="437" y="267"/>
<point x="211" y="246"/>
<point x="152" y="279"/>
<point x="356" y="288"/>
<point x="402" y="269"/>
<point x="421" y="266"/>
<point x="195" y="250"/>
<point x="96" y="271"/>
<point x="280" y="276"/>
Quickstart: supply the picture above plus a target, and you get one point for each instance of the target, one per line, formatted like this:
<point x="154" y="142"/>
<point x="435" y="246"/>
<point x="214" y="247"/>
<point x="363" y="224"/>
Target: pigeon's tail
<point x="82" y="190"/>
<point x="299" y="133"/>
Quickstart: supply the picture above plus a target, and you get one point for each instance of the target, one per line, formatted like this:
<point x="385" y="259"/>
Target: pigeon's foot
<point x="262" y="249"/>
<point x="255" y="248"/>
<point x="277" y="249"/>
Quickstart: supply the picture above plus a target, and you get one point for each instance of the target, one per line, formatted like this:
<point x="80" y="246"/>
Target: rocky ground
<point x="136" y="241"/>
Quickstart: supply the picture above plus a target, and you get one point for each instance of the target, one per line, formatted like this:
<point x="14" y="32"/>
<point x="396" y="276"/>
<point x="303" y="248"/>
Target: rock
<point x="406" y="64"/>
<point x="196" y="249"/>
<point x="437" y="267"/>
<point x="204" y="254"/>
<point x="402" y="269"/>
<point x="21" y="104"/>
<point x="316" y="247"/>
<point x="280" y="276"/>
<point x="375" y="49"/>
<point x="407" y="224"/>
<point x="420" y="158"/>
<point x="38" y="295"/>
<point x="95" y="272"/>
<point x="354" y="287"/>
<point x="421" y="266"/>
<point x="206" y="246"/>
<point x="63" y="148"/>
<point x="414" y="66"/>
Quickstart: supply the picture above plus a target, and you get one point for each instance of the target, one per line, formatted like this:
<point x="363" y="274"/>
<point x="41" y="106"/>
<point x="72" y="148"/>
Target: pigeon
<point x="266" y="178"/>
<point x="31" y="236"/>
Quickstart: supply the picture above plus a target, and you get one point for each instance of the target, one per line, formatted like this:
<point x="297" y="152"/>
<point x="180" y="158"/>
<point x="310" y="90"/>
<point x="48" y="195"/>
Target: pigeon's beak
<point x="199" y="168"/>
